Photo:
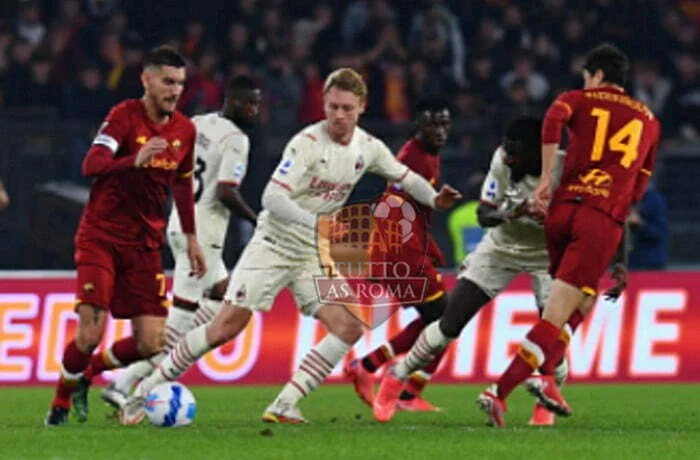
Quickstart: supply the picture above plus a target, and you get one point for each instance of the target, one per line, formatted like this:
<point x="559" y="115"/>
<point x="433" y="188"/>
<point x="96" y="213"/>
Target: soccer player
<point x="317" y="172"/>
<point x="421" y="252"/>
<point x="143" y="149"/>
<point x="513" y="244"/>
<point x="221" y="153"/>
<point x="610" y="157"/>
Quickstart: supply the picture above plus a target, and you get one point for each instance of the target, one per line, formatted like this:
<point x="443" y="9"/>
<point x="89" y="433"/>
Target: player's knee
<point x="349" y="331"/>
<point x="88" y="338"/>
<point x="227" y="324"/>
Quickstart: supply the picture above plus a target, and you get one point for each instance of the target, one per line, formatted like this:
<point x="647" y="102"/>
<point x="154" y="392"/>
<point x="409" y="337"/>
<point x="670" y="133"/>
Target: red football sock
<point x="74" y="363"/>
<point x="559" y="348"/>
<point x="400" y="343"/>
<point x="418" y="380"/>
<point x="120" y="354"/>
<point x="543" y="336"/>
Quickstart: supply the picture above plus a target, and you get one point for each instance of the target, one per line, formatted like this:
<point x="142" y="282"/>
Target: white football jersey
<point x="522" y="237"/>
<point x="319" y="175"/>
<point x="221" y="155"/>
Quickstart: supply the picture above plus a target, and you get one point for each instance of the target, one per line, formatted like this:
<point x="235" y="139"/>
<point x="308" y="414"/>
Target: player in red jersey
<point x="422" y="155"/>
<point x="144" y="149"/>
<point x="610" y="157"/>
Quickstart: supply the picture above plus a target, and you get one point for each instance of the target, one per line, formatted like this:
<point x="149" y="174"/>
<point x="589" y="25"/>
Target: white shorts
<point x="261" y="273"/>
<point x="493" y="271"/>
<point x="187" y="287"/>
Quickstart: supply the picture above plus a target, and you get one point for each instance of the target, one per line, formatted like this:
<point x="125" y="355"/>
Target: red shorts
<point x="581" y="242"/>
<point x="126" y="280"/>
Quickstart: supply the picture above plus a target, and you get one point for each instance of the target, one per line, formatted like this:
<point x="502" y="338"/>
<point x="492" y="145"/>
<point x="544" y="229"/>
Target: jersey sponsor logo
<point x="285" y="167"/>
<point x="595" y="182"/>
<point x="491" y="190"/>
<point x="329" y="191"/>
<point x="141" y="140"/>
<point x="162" y="163"/>
<point x="108" y="141"/>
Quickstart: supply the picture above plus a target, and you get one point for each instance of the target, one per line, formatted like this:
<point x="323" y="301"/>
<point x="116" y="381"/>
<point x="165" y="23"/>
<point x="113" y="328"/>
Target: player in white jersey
<point x="317" y="172"/>
<point x="513" y="244"/>
<point x="221" y="152"/>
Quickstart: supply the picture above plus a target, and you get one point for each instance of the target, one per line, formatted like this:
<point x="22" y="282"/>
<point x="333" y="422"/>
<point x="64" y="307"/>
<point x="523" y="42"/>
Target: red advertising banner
<point x="651" y="334"/>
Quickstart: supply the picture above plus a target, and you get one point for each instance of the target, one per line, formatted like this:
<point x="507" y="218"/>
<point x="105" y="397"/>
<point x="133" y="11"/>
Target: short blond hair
<point x="346" y="79"/>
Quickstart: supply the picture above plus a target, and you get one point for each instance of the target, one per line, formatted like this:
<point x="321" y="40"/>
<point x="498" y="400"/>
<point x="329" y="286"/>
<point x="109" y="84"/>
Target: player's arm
<point x="234" y="153"/>
<point x="183" y="195"/>
<point x="557" y="116"/>
<point x="277" y="197"/>
<point x="101" y="157"/>
<point x="645" y="172"/>
<point x="387" y="166"/>
<point x="490" y="212"/>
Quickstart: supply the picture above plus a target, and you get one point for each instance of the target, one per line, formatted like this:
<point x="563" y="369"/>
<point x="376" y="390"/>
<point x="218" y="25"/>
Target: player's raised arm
<point x="387" y="166"/>
<point x="234" y="153"/>
<point x="276" y="197"/>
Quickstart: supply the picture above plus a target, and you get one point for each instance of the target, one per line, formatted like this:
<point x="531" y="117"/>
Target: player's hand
<point x="153" y="147"/>
<point x="543" y="195"/>
<point x="447" y="197"/>
<point x="196" y="257"/>
<point x="619" y="274"/>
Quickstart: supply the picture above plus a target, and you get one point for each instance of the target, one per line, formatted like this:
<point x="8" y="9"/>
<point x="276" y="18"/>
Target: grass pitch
<point x="610" y="422"/>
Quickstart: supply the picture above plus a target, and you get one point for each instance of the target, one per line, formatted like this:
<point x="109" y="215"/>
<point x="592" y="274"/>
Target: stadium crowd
<point x="495" y="58"/>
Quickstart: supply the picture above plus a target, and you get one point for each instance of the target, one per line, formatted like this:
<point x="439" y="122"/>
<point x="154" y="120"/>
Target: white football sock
<point x="187" y="351"/>
<point x="430" y="342"/>
<point x="206" y="312"/>
<point x="315" y="367"/>
<point x="178" y="323"/>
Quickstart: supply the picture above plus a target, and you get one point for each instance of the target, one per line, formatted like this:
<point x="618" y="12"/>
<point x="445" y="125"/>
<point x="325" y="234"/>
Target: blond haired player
<point x="317" y="172"/>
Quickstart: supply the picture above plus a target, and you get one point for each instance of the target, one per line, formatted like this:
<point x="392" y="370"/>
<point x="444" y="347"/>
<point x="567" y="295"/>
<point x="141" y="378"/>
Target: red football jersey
<point x="612" y="148"/>
<point x="127" y="204"/>
<point x="421" y="162"/>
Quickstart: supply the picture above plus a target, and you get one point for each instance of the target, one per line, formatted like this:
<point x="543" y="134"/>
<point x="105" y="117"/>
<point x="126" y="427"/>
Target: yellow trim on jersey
<point x="564" y="336"/>
<point x="645" y="171"/>
<point x="589" y="291"/>
<point x="566" y="106"/>
<point x="186" y="175"/>
<point x="435" y="296"/>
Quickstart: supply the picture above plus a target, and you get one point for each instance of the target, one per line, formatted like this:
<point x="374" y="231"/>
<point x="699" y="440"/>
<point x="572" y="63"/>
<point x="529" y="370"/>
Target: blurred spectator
<point x="311" y="108"/>
<point x="194" y="37"/>
<point x="129" y="84"/>
<point x="684" y="111"/>
<point x="110" y="58"/>
<point x="282" y="90"/>
<point x="275" y="35"/>
<point x="101" y="8"/>
<point x="88" y="98"/>
<point x="38" y="90"/>
<point x="649" y="226"/>
<point x="4" y="197"/>
<point x="204" y="91"/>
<point x="29" y="26"/>
<point x="437" y="37"/>
<point x="240" y="46"/>
<point x="515" y="34"/>
<point x="546" y="55"/>
<point x="482" y="80"/>
<point x="650" y="87"/>
<point x="524" y="69"/>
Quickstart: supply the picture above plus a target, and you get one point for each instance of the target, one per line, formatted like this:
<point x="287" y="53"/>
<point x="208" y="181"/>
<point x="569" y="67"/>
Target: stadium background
<point x="63" y="63"/>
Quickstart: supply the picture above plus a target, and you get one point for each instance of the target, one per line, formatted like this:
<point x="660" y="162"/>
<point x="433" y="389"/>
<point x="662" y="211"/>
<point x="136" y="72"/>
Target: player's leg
<point x="344" y="329"/>
<point x="577" y="274"/>
<point x="95" y="278"/>
<point x="463" y="303"/>
<point x="251" y="288"/>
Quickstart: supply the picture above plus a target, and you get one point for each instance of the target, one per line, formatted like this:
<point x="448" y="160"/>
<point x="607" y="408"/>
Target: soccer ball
<point x="170" y="404"/>
<point x="408" y="214"/>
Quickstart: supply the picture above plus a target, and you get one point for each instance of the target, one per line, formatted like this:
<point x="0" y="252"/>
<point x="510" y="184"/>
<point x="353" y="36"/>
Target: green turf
<point x="610" y="422"/>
